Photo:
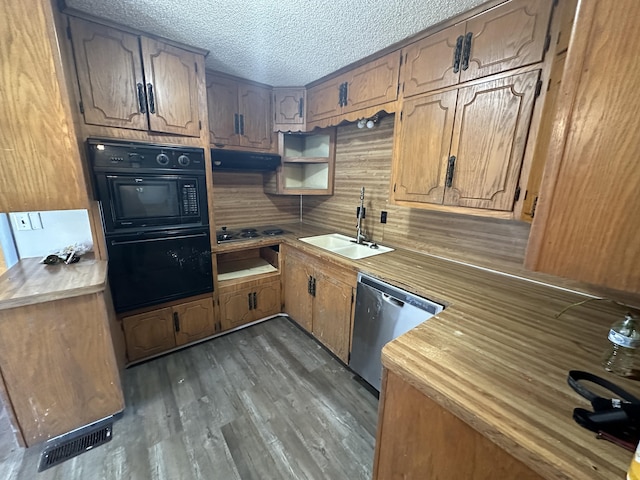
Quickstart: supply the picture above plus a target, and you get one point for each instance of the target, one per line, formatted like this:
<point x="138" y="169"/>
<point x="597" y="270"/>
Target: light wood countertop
<point x="29" y="282"/>
<point x="498" y="358"/>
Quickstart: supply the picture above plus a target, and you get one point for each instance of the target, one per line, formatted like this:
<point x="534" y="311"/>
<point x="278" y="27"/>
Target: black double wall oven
<point x="155" y="218"/>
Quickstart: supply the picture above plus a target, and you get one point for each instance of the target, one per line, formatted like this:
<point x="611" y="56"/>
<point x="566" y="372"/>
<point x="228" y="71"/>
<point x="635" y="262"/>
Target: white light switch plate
<point x="36" y="221"/>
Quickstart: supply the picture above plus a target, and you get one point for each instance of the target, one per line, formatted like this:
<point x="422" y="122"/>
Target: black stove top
<point x="225" y="235"/>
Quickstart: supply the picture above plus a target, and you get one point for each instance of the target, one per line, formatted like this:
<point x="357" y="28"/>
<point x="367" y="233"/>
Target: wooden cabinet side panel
<point x="420" y="154"/>
<point x="59" y="367"/>
<point x="419" y="439"/>
<point x="222" y="104"/>
<point x="195" y="321"/>
<point x="254" y="105"/>
<point x="489" y="139"/>
<point x="36" y="129"/>
<point x="172" y="75"/>
<point x="586" y="225"/>
<point x="429" y="63"/>
<point x="109" y="69"/>
<point x="297" y="299"/>
<point x="148" y="334"/>
<point x="509" y="36"/>
<point x="374" y="83"/>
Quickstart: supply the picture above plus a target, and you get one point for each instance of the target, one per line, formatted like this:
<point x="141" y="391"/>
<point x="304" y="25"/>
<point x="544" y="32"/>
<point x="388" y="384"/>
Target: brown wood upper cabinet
<point x="239" y="113"/>
<point x="472" y="153"/>
<point x="374" y="83"/>
<point x="320" y="299"/>
<point x="289" y="109"/>
<point x="510" y="35"/>
<point x="136" y="82"/>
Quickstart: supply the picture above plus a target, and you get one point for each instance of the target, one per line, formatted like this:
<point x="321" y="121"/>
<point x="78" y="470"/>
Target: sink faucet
<point x="360" y="237"/>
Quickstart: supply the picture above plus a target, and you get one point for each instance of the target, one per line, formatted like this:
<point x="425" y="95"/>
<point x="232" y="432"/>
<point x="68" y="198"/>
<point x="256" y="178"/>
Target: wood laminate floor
<point x="266" y="402"/>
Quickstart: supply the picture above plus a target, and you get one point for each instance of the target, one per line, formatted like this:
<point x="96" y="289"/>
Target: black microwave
<point x="145" y="187"/>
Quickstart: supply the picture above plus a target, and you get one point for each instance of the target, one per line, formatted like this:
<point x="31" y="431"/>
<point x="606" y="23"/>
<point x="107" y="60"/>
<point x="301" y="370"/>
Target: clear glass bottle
<point x="625" y="338"/>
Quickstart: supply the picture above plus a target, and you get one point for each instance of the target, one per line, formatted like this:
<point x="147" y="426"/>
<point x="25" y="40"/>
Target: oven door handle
<point x="145" y="240"/>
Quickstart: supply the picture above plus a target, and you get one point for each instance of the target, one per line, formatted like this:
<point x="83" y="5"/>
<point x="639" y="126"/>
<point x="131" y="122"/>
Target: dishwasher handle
<point x="393" y="301"/>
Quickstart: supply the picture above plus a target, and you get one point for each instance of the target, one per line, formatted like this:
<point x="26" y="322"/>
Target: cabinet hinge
<point x="538" y="88"/>
<point x="398" y="90"/>
<point x="547" y="43"/>
<point x="69" y="32"/>
<point x="199" y="124"/>
<point x="401" y="57"/>
<point x="81" y="107"/>
<point x="533" y="207"/>
<point x="516" y="197"/>
<point x="352" y="296"/>
<point x="196" y="65"/>
<point x="401" y="112"/>
<point x="394" y="188"/>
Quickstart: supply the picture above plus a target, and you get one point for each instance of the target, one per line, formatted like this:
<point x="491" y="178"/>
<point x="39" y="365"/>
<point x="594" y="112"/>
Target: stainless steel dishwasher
<point x="383" y="312"/>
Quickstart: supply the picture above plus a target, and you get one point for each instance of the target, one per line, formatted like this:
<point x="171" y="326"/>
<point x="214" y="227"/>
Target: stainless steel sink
<point x="345" y="246"/>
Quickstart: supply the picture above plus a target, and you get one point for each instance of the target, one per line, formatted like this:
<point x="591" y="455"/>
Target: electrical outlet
<point x="383" y="217"/>
<point x="36" y="221"/>
<point x="22" y="221"/>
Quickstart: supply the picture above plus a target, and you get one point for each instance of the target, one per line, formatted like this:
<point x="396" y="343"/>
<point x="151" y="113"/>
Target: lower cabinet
<point x="417" y="438"/>
<point x="320" y="299"/>
<point x="154" y="332"/>
<point x="249" y="301"/>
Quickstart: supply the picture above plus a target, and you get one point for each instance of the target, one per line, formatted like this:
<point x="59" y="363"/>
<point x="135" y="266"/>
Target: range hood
<point x="222" y="159"/>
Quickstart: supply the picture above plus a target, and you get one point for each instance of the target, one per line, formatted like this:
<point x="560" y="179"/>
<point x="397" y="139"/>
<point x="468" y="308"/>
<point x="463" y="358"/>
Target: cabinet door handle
<point x="249" y="300"/>
<point x="176" y="322"/>
<point x="142" y="101"/>
<point x="301" y="107"/>
<point x="341" y="96"/>
<point x="467" y="50"/>
<point x="450" y="168"/>
<point x="236" y="123"/>
<point x="309" y="285"/>
<point x="346" y="94"/>
<point x="457" y="54"/>
<point x="152" y="98"/>
<point x="313" y="287"/>
<point x="241" y="124"/>
<point x="255" y="300"/>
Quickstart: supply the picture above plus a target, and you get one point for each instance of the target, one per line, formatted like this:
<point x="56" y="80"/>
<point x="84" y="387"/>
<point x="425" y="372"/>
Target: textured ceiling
<point x="281" y="43"/>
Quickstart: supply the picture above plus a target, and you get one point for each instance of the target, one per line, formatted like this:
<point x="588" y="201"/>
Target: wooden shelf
<point x="244" y="268"/>
<point x="305" y="159"/>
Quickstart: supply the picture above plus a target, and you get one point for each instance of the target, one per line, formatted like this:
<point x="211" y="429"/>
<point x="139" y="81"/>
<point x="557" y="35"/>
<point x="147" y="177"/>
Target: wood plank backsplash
<point x="363" y="159"/>
<point x="239" y="201"/>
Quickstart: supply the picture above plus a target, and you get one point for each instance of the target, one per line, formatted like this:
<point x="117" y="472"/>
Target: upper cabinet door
<point x="222" y="103"/>
<point x="489" y="138"/>
<point x="433" y="62"/>
<point x="172" y="88"/>
<point x="506" y="37"/>
<point x="110" y="75"/>
<point x="255" y="116"/>
<point x="288" y="107"/>
<point x="421" y="154"/>
<point x="324" y="99"/>
<point x="374" y="83"/>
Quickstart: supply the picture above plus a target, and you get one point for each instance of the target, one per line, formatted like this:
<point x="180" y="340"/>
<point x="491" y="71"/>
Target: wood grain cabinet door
<point x="297" y="299"/>
<point x="506" y="37"/>
<point x="433" y="62"/>
<point x="236" y="306"/>
<point x="421" y="153"/>
<point x="323" y="100"/>
<point x="332" y="314"/>
<point x="222" y="104"/>
<point x="254" y="107"/>
<point x="194" y="321"/>
<point x="266" y="300"/>
<point x="110" y="75"/>
<point x="149" y="333"/>
<point x="489" y="138"/>
<point x="288" y="109"/>
<point x="374" y="83"/>
<point x="172" y="88"/>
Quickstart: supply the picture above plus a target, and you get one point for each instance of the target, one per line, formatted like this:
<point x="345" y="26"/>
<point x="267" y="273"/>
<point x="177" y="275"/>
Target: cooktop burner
<point x="247" y="233"/>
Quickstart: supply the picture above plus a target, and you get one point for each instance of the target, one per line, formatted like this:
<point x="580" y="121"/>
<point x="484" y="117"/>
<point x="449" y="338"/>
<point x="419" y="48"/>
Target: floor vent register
<point x="64" y="448"/>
